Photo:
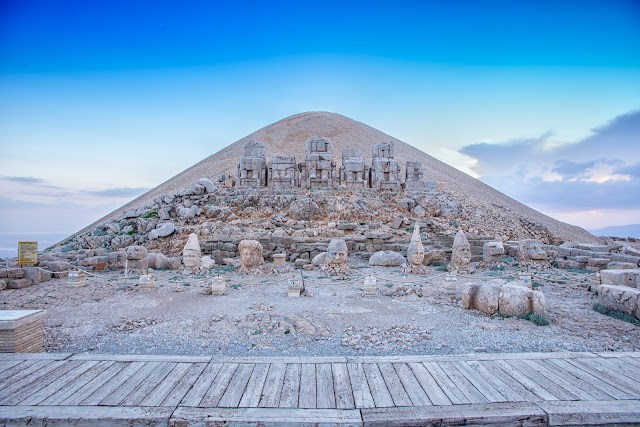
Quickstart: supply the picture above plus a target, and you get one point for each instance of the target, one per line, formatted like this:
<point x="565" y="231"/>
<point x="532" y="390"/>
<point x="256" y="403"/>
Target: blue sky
<point x="101" y="100"/>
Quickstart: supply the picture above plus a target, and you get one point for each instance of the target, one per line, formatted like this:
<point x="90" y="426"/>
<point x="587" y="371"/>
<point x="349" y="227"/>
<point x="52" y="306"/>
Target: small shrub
<point x="538" y="319"/>
<point x="536" y="284"/>
<point x="442" y="269"/>
<point x="579" y="270"/>
<point x="132" y="232"/>
<point x="151" y="214"/>
<point x="454" y="223"/>
<point x="362" y="223"/>
<point x="236" y="286"/>
<point x="555" y="264"/>
<point x="388" y="285"/>
<point x="615" y="314"/>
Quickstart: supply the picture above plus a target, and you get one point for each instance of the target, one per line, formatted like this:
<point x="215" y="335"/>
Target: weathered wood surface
<point x="509" y="389"/>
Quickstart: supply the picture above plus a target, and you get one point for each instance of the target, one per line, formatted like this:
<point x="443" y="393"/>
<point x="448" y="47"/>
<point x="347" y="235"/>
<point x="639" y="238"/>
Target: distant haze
<point x="631" y="230"/>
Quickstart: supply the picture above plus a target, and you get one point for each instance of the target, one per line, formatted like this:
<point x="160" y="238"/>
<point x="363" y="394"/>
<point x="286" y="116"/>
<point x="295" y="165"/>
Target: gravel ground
<point x="111" y="315"/>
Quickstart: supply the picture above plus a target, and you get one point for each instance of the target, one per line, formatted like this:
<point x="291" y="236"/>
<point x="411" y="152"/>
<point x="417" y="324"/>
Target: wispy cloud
<point x="599" y="172"/>
<point x="116" y="192"/>
<point x="22" y="179"/>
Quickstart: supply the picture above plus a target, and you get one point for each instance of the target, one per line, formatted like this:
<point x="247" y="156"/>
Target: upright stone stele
<point x="191" y="254"/>
<point x="461" y="253"/>
<point x="354" y="173"/>
<point x="385" y="171"/>
<point x="415" y="254"/>
<point x="319" y="167"/>
<point x="137" y="260"/>
<point x="252" y="169"/>
<point x="250" y="256"/>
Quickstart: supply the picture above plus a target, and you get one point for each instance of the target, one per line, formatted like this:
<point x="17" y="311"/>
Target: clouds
<point x="22" y="179"/>
<point x="117" y="192"/>
<point x="599" y="172"/>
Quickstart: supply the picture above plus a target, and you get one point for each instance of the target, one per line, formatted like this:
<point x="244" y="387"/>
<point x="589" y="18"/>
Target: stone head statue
<point x="415" y="252"/>
<point x="531" y="250"/>
<point x="191" y="252"/>
<point x="461" y="251"/>
<point x="337" y="254"/>
<point x="250" y="255"/>
<point x="136" y="252"/>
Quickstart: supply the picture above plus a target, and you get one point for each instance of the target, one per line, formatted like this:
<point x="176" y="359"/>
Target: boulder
<point x="3" y="284"/>
<point x="304" y="209"/>
<point x="387" y="259"/>
<point x="18" y="283"/>
<point x="121" y="241"/>
<point x="623" y="277"/>
<point x="208" y="185"/>
<point x="158" y="261"/>
<point x="515" y="300"/>
<point x="162" y="230"/>
<point x="484" y="298"/>
<point x="207" y="262"/>
<point x="620" y="298"/>
<point x="36" y="275"/>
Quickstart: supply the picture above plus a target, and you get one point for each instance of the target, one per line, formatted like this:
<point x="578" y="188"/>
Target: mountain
<point x="288" y="136"/>
<point x="630" y="230"/>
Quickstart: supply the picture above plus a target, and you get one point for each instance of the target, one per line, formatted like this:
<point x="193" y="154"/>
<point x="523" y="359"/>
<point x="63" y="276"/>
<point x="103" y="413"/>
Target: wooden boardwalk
<point x="479" y="389"/>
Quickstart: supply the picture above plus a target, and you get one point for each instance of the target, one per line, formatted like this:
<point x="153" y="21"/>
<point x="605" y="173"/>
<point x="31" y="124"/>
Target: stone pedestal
<point x="147" y="282"/>
<point x="22" y="331"/>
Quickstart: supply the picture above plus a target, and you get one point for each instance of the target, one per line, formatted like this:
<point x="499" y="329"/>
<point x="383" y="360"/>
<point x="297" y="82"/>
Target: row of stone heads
<point x="319" y="168"/>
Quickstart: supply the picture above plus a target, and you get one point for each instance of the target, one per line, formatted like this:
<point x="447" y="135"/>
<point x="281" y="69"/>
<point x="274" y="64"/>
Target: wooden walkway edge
<point x="532" y="389"/>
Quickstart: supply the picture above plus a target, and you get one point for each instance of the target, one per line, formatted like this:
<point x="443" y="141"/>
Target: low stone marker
<point x="147" y="282"/>
<point x="22" y="331"/>
<point x="77" y="279"/>
<point x="295" y="287"/>
<point x="217" y="286"/>
<point x="370" y="289"/>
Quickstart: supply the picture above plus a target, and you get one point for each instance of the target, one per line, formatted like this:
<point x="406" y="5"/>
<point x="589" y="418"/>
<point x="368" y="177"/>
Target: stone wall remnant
<point x="319" y="169"/>
<point x="354" y="172"/>
<point x="385" y="171"/>
<point x="283" y="172"/>
<point x="414" y="176"/>
<point x="252" y="169"/>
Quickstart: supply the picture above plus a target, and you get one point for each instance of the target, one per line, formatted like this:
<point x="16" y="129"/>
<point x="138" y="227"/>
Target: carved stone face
<point x="136" y="252"/>
<point x="250" y="257"/>
<point x="337" y="253"/>
<point x="461" y="256"/>
<point x="534" y="250"/>
<point x="191" y="259"/>
<point x="415" y="253"/>
<point x="494" y="248"/>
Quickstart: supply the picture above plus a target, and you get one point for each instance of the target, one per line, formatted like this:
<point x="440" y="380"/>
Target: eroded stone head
<point x="461" y="251"/>
<point x="531" y="250"/>
<point x="250" y="255"/>
<point x="337" y="254"/>
<point x="415" y="252"/>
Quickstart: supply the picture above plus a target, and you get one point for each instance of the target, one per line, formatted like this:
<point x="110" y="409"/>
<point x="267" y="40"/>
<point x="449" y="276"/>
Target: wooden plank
<point x="141" y="358"/>
<point x="94" y="384"/>
<point x="633" y="361"/>
<point x="41" y="382"/>
<point x="5" y="365"/>
<point x="610" y="413"/>
<point x="342" y="386"/>
<point x="483" y="386"/>
<point x="526" y="382"/>
<point x="394" y="385"/>
<point x="291" y="386"/>
<point x="151" y="382"/>
<point x="455" y="395"/>
<point x="411" y="385"/>
<point x="615" y="354"/>
<point x="32" y="374"/>
<point x="580" y="388"/>
<point x="219" y="385"/>
<point x="272" y="386"/>
<point x="325" y="393"/>
<point x="20" y="366"/>
<point x="607" y="375"/>
<point x="129" y="386"/>
<point x="465" y="386"/>
<point x="308" y="392"/>
<point x="493" y="414"/>
<point x="113" y="384"/>
<point x="605" y="387"/>
<point x="535" y="375"/>
<point x="200" y="387"/>
<point x="361" y="394"/>
<point x="177" y="393"/>
<point x="510" y="393"/>
<point x="21" y="374"/>
<point x="285" y="359"/>
<point x="253" y="391"/>
<point x="429" y="384"/>
<point x="620" y="367"/>
<point x="84" y="416"/>
<point x="235" y="390"/>
<point x="381" y="396"/>
<point x="35" y="356"/>
<point x="75" y="385"/>
<point x="265" y="417"/>
<point x="59" y="384"/>
<point x="468" y="356"/>
<point x="164" y="389"/>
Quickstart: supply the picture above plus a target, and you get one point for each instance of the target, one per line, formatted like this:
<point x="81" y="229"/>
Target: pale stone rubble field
<point x="411" y="314"/>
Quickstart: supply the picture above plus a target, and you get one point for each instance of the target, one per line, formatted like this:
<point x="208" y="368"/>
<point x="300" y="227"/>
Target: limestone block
<point x="147" y="282"/>
<point x="158" y="261"/>
<point x="218" y="286"/>
<point x="387" y="259"/>
<point x="162" y="230"/>
<point x="614" y="265"/>
<point x="13" y="273"/>
<point x="625" y="258"/>
<point x="485" y="297"/>
<point x="539" y="303"/>
<point x="3" y="284"/>
<point x="18" y="283"/>
<point x="620" y="298"/>
<point x="370" y="288"/>
<point x="77" y="279"/>
<point x="622" y="277"/>
<point x="36" y="275"/>
<point x="598" y="262"/>
<point x="492" y="252"/>
<point x="433" y="256"/>
<point x="531" y="250"/>
<point x="22" y="331"/>
<point x="515" y="300"/>
<point x="207" y="262"/>
<point x="208" y="185"/>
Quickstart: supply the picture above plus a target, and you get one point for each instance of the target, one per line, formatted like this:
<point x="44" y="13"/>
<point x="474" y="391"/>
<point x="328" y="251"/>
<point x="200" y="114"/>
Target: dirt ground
<point x="410" y="315"/>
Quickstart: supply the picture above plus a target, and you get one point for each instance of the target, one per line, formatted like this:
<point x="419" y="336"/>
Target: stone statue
<point x="137" y="260"/>
<point x="252" y="170"/>
<point x="250" y="256"/>
<point x="385" y="171"/>
<point x="354" y="172"/>
<point x="461" y="253"/>
<point x="509" y="299"/>
<point x="492" y="252"/>
<point x="319" y="167"/>
<point x="415" y="254"/>
<point x="283" y="172"/>
<point x="191" y="254"/>
<point x="336" y="260"/>
<point x="531" y="250"/>
<point x="414" y="176"/>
